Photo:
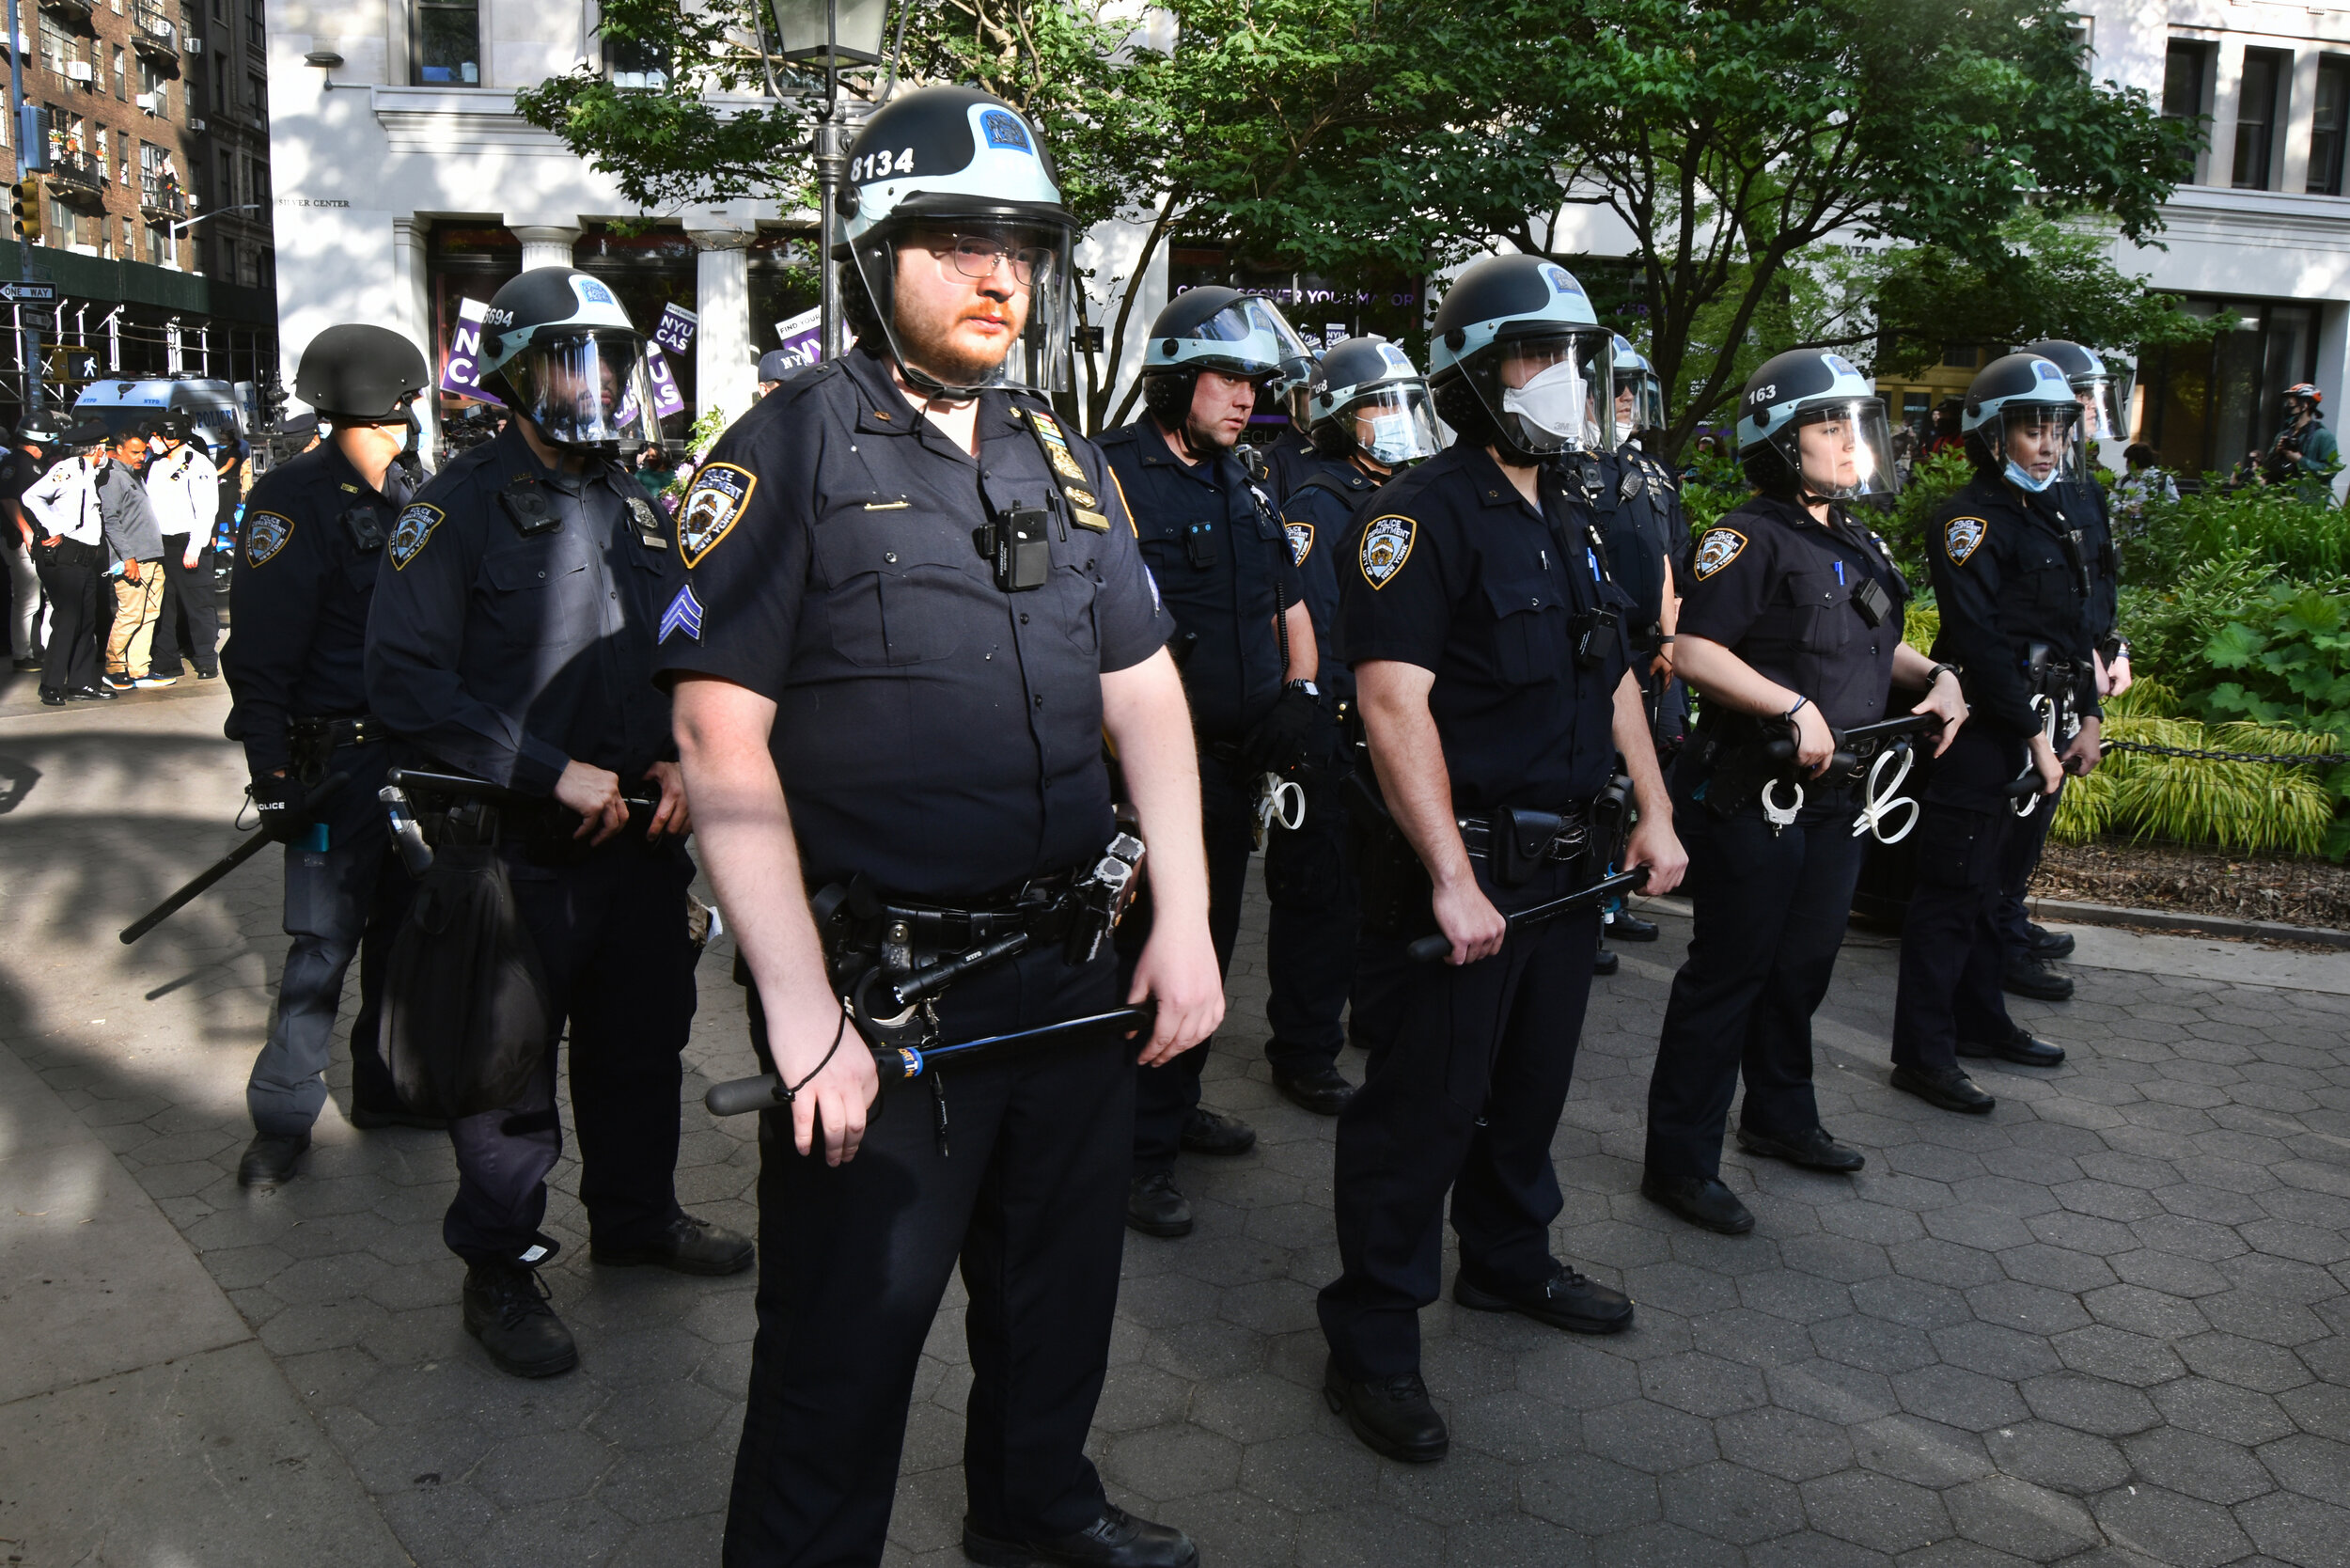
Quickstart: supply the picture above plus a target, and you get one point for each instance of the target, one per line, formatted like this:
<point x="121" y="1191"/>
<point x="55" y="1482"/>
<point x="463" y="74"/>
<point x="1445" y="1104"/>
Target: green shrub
<point x="2275" y="526"/>
<point x="2247" y="807"/>
<point x="2289" y="652"/>
<point x="1932" y="481"/>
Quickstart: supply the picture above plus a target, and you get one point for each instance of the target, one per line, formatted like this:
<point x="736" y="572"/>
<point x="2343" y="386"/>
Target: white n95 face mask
<point x="1554" y="401"/>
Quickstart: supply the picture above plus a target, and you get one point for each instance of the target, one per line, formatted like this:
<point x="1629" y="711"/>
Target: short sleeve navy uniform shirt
<point x="933" y="730"/>
<point x="1450" y="568"/>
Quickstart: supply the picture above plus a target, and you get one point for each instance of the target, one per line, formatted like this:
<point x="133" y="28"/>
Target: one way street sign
<point x="27" y="294"/>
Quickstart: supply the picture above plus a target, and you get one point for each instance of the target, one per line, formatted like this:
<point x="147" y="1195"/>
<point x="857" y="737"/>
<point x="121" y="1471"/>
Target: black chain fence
<point x="2276" y="759"/>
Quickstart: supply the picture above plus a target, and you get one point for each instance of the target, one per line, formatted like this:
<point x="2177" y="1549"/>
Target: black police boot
<point x="2018" y="1047"/>
<point x="368" y="1119"/>
<point x="1392" y="1415"/>
<point x="53" y="700"/>
<point x="1948" y="1086"/>
<point x="2032" y="977"/>
<point x="1625" y="926"/>
<point x="1606" y="964"/>
<point x="2046" y="944"/>
<point x="1566" y="1300"/>
<point x="1811" y="1148"/>
<point x="1156" y="1207"/>
<point x="1699" y="1200"/>
<point x="506" y="1308"/>
<point x="1116" y="1540"/>
<point x="686" y="1246"/>
<point x="1319" y="1090"/>
<point x="269" y="1161"/>
<point x="1205" y="1132"/>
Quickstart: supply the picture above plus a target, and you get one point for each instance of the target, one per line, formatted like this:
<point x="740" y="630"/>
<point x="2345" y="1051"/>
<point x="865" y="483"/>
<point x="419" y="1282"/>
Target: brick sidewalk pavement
<point x="2104" y="1326"/>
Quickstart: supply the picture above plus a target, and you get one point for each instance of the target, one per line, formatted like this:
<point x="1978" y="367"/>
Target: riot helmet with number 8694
<point x="571" y="361"/>
<point x="1810" y="424"/>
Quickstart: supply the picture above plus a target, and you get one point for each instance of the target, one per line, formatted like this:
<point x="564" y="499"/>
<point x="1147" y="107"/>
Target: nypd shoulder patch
<point x="1962" y="537"/>
<point x="1386" y="545"/>
<point x="414" y="526"/>
<point x="265" y="534"/>
<point x="1717" y="549"/>
<point x="684" y="614"/>
<point x="712" y="507"/>
<point x="1301" y="541"/>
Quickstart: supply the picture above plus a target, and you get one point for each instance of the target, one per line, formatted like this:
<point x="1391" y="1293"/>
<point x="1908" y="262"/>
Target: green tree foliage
<point x="1736" y="135"/>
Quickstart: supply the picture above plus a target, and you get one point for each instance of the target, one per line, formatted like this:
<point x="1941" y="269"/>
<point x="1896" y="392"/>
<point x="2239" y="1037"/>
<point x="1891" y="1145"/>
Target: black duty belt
<point x="1039" y="907"/>
<point x="327" y="733"/>
<point x="1568" y="842"/>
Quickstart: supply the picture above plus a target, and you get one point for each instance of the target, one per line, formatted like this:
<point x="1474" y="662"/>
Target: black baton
<point x="225" y="864"/>
<point x="1429" y="949"/>
<point x="896" y="1064"/>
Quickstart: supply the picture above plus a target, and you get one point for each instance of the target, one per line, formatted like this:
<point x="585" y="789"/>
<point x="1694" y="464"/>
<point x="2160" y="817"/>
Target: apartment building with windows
<point x="154" y="122"/>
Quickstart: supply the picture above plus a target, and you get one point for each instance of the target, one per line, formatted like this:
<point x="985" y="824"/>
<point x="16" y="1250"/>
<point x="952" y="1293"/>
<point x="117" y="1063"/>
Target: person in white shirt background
<point x="71" y="558"/>
<point x="183" y="488"/>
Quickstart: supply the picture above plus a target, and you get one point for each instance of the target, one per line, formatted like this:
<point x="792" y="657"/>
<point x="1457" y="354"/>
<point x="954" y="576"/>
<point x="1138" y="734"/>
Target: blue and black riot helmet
<point x="2100" y="392"/>
<point x="1366" y="398"/>
<point x="1640" y="395"/>
<point x="1219" y="329"/>
<point x="964" y="177"/>
<point x="2023" y="423"/>
<point x="1517" y="344"/>
<point x="570" y="361"/>
<point x="1810" y="425"/>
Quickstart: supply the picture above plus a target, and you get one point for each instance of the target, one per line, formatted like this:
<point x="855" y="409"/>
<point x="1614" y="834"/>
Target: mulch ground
<point x="2197" y="880"/>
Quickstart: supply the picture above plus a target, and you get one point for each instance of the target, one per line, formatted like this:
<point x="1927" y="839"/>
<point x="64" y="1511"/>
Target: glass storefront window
<point x="2204" y="406"/>
<point x="1324" y="310"/>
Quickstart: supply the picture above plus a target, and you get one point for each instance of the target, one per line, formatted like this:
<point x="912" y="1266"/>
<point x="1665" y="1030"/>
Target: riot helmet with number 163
<point x="1812" y="425"/>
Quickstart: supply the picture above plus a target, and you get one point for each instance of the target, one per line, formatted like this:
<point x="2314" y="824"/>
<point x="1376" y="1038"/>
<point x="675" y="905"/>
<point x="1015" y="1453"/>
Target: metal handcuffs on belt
<point x="1876" y="746"/>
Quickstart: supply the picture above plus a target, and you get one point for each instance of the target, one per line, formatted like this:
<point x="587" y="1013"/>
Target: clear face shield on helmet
<point x="587" y="389"/>
<point x="2038" y="445"/>
<point x="1639" y="402"/>
<point x="1554" y="392"/>
<point x="1394" y="425"/>
<point x="1259" y="335"/>
<point x="2100" y="410"/>
<point x="966" y="272"/>
<point x="1842" y="450"/>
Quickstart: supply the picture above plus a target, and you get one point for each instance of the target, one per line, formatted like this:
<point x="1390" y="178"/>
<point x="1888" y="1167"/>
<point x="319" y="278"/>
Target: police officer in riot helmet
<point x="1486" y="640"/>
<point x="1290" y="457"/>
<point x="1638" y="504"/>
<point x="1792" y="630"/>
<point x="299" y="601"/>
<point x="914" y="612"/>
<point x="2031" y="948"/>
<point x="2012" y="581"/>
<point x="1369" y="415"/>
<point x="512" y="642"/>
<point x="1244" y="641"/>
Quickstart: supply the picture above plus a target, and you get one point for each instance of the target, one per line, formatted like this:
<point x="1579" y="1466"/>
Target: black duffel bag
<point x="466" y="1014"/>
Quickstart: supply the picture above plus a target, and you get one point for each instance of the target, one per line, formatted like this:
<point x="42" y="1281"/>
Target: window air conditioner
<point x="148" y="101"/>
<point x="77" y="71"/>
<point x="195" y="125"/>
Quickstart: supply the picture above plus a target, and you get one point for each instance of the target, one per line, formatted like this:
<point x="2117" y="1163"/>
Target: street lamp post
<point x="835" y="32"/>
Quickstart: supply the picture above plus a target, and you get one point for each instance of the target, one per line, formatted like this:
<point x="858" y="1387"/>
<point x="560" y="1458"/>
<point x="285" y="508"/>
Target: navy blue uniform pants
<point x="2026" y="838"/>
<point x="852" y="1260"/>
<point x="1310" y="932"/>
<point x="1166" y="1094"/>
<point x="69" y="574"/>
<point x="189" y="599"/>
<point x="611" y="938"/>
<point x="1951" y="950"/>
<point x="1467" y="1074"/>
<point x="343" y="902"/>
<point x="1769" y="916"/>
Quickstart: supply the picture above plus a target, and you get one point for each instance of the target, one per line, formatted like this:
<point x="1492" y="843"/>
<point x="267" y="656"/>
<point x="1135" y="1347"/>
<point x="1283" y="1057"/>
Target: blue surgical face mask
<point x="2022" y="477"/>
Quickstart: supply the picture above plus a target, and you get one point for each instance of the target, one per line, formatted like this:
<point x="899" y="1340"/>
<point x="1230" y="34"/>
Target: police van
<point x="213" y="409"/>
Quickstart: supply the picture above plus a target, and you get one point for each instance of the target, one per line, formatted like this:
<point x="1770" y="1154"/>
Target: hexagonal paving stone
<point x="1732" y="1503"/>
<point x="2172" y="1528"/>
<point x="2011" y="1515"/>
<point x="1876" y="1512"/>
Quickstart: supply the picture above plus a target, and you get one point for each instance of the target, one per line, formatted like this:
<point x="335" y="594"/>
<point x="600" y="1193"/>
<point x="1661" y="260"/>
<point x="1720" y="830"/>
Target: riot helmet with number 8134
<point x="964" y="177"/>
<point x="2023" y="423"/>
<point x="570" y="360"/>
<point x="1366" y="397"/>
<point x="1519" y="333"/>
<point x="1809" y="423"/>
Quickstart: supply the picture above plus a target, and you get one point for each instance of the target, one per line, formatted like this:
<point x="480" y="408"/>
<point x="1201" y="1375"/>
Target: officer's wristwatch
<point x="1306" y="686"/>
<point x="1938" y="671"/>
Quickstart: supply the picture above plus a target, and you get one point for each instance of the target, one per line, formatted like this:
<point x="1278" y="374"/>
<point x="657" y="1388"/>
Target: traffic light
<point x="70" y="364"/>
<point x="27" y="196"/>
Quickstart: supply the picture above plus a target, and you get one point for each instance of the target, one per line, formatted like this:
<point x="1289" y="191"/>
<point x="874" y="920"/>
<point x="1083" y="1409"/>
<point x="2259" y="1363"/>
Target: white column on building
<point x="412" y="296"/>
<point x="726" y="361"/>
<point x="545" y="244"/>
